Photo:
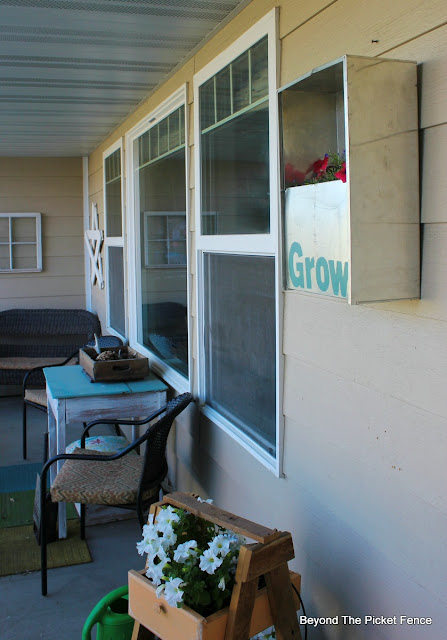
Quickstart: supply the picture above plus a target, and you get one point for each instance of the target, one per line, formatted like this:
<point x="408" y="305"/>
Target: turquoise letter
<point x="339" y="277"/>
<point x="310" y="264"/>
<point x="296" y="270"/>
<point x="321" y="266"/>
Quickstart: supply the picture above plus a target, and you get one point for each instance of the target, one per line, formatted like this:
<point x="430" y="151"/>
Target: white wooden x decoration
<point x="93" y="239"/>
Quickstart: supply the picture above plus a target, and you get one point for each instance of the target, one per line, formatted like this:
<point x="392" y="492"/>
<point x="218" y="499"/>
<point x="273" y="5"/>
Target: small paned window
<point x="20" y="242"/>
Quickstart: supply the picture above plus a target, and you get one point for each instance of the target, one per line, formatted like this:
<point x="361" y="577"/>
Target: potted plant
<point x="316" y="226"/>
<point x="187" y="586"/>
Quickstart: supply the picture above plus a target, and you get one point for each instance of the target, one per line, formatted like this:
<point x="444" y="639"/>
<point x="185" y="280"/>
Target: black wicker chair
<point x="127" y="481"/>
<point x="36" y="396"/>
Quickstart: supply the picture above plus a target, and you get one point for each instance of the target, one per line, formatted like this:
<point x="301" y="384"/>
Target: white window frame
<point x="37" y="243"/>
<point x="170" y="375"/>
<point x="114" y="241"/>
<point x="245" y="244"/>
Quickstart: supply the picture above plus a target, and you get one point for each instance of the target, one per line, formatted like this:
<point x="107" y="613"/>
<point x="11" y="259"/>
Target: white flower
<point x="166" y="516"/>
<point x="220" y="545"/>
<point x="172" y="591"/>
<point x="209" y="501"/>
<point x="155" y="572"/>
<point x="221" y="584"/>
<point x="185" y="551"/>
<point x="149" y="535"/>
<point x="159" y="590"/>
<point x="267" y="634"/>
<point x="209" y="561"/>
<point x="169" y="538"/>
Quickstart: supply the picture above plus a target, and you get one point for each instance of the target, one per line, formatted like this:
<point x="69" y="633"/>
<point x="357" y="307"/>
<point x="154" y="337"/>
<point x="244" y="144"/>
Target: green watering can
<point x="110" y="614"/>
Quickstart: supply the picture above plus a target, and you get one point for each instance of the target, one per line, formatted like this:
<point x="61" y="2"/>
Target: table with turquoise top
<point x="73" y="398"/>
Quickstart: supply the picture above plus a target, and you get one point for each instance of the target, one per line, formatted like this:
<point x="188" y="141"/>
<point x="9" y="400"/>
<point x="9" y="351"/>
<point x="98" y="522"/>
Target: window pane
<point x="116" y="290"/>
<point x="259" y="70"/>
<point x="162" y="306"/>
<point x="23" y="230"/>
<point x="24" y="256"/>
<point x="207" y="113"/>
<point x="223" y="94"/>
<point x="4" y="229"/>
<point x="239" y="302"/>
<point x="113" y="195"/>
<point x="174" y="130"/>
<point x="240" y="73"/>
<point x="235" y="175"/>
<point x="163" y="136"/>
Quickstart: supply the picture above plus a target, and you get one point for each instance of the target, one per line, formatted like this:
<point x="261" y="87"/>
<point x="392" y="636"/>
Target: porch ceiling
<point x="71" y="70"/>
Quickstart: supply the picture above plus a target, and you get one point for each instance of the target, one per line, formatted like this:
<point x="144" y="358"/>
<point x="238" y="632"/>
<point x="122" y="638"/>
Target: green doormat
<point x="20" y="553"/>
<point x="16" y="508"/>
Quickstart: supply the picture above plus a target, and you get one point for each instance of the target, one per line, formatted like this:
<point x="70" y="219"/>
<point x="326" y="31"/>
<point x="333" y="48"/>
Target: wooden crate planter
<point x="251" y="610"/>
<point x="359" y="240"/>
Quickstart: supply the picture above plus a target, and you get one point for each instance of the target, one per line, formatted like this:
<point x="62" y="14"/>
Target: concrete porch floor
<point x="72" y="591"/>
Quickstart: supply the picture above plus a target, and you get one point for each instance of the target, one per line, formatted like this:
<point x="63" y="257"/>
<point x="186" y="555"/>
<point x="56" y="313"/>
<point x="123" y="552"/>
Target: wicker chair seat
<point x="37" y="396"/>
<point x="93" y="482"/>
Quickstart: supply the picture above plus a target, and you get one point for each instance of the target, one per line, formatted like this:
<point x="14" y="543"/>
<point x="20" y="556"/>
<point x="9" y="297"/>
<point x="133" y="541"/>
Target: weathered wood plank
<point x="266" y="557"/>
<point x="211" y="513"/>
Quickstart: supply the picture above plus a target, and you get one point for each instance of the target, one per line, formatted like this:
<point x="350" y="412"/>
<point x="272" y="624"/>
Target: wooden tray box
<point x="113" y="370"/>
<point x="183" y="623"/>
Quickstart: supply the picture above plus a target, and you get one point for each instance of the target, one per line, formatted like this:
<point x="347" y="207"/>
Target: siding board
<point x="390" y="343"/>
<point x="350" y="26"/>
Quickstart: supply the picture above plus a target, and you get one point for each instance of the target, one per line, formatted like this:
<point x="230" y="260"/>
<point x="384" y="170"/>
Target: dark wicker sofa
<point x="39" y="337"/>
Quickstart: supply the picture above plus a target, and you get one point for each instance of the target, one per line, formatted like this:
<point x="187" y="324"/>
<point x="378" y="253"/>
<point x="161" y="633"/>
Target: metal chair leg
<point x="82" y="521"/>
<point x="43" y="533"/>
<point x="24" y="430"/>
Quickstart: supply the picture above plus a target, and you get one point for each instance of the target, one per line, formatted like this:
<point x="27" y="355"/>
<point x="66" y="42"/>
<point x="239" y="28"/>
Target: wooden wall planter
<point x="366" y="248"/>
<point x="251" y="609"/>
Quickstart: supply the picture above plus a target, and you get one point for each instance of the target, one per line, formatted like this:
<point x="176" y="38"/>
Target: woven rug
<point x="16" y="508"/>
<point x="20" y="553"/>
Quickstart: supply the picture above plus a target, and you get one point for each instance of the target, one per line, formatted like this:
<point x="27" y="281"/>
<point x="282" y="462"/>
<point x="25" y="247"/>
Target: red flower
<point x="320" y="166"/>
<point x="341" y="175"/>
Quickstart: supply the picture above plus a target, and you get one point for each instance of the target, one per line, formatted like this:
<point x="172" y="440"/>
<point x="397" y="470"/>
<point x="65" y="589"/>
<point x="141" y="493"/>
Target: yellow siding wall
<point x="364" y="398"/>
<point x="52" y="187"/>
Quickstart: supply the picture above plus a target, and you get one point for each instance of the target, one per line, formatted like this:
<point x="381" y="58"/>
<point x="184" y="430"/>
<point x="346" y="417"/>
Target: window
<point x="237" y="223"/>
<point x="20" y="242"/>
<point x="114" y="239"/>
<point x="164" y="238"/>
<point x="158" y="196"/>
